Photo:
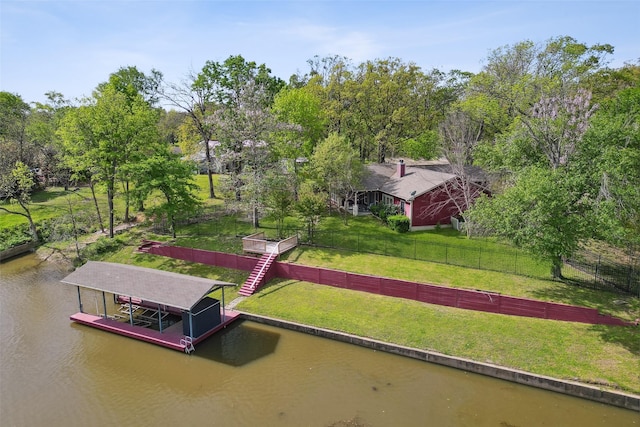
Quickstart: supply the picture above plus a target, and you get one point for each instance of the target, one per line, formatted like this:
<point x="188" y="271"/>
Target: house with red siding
<point x="429" y="194"/>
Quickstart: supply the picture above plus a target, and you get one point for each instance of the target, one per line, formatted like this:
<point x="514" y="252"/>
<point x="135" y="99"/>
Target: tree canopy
<point x="554" y="129"/>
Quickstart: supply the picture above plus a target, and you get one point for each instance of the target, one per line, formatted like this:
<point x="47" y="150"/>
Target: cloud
<point x="331" y="40"/>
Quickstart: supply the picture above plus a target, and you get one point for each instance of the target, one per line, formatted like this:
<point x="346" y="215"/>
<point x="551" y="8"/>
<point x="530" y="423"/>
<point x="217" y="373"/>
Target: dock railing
<point x="259" y="276"/>
<point x="255" y="243"/>
<point x="286" y="244"/>
<point x="258" y="243"/>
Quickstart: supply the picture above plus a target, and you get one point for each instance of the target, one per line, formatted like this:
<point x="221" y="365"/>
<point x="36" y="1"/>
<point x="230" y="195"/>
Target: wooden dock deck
<point x="171" y="337"/>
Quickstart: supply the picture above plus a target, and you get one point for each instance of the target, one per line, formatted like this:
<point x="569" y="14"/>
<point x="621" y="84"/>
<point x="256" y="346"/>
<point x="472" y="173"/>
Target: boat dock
<point x="172" y="310"/>
<point x="171" y="337"/>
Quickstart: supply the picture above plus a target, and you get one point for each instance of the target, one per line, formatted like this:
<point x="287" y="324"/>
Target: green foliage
<point x="399" y="223"/>
<point x="103" y="246"/>
<point x="384" y="211"/>
<point x="173" y="179"/>
<point x="299" y="106"/>
<point x="543" y="212"/>
<point x="103" y="138"/>
<point x="14" y="236"/>
<point x="279" y="197"/>
<point x="311" y="206"/>
<point x="424" y="146"/>
<point x="609" y="158"/>
<point x="17" y="186"/>
<point x="336" y="168"/>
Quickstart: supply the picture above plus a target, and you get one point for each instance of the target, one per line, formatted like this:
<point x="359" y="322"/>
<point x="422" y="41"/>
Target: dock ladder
<point x="187" y="342"/>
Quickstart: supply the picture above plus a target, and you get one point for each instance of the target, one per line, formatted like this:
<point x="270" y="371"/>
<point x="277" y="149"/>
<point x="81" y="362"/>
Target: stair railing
<point x="274" y="252"/>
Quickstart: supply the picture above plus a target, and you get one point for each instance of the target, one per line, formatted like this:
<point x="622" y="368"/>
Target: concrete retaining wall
<point x="619" y="399"/>
<point x="17" y="250"/>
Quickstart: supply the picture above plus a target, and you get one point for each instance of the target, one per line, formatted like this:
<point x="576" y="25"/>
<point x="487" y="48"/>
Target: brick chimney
<point x="401" y="169"/>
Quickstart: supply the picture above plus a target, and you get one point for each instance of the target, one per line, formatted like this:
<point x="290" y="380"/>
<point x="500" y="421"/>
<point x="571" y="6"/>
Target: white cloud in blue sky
<point x="71" y="46"/>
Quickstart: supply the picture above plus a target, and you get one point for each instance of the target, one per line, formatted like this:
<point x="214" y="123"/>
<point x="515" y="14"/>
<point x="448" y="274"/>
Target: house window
<point x="387" y="200"/>
<point x="402" y="207"/>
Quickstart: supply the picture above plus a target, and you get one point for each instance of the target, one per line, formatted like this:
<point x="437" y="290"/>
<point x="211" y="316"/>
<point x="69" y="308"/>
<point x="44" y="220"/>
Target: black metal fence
<point x="401" y="246"/>
<point x="604" y="275"/>
<point x="595" y="275"/>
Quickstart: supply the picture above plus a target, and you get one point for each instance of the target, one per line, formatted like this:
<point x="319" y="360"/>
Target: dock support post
<point x="223" y="307"/>
<point x="190" y="325"/>
<point x="104" y="304"/>
<point x="79" y="300"/>
<point x="160" y="318"/>
<point x="130" y="311"/>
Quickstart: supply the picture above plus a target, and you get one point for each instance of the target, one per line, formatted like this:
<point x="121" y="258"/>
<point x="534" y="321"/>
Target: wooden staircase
<point x="256" y="278"/>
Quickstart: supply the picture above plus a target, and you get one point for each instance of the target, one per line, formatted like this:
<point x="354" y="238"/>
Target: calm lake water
<point x="55" y="373"/>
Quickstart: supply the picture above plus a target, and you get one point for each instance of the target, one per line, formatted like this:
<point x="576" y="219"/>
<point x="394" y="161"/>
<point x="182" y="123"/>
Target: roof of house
<point x="415" y="182"/>
<point x="160" y="287"/>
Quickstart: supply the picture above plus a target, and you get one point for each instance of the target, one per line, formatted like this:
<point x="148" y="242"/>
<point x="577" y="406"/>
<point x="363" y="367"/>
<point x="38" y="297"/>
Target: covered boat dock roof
<point x="160" y="287"/>
<point x="151" y="287"/>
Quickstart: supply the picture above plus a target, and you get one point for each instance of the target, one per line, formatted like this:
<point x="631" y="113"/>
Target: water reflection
<point x="239" y="344"/>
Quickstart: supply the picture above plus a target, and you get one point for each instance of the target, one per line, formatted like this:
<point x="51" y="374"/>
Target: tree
<point x="133" y="83"/>
<point x="196" y="96"/>
<point x="609" y="158"/>
<point x="16" y="186"/>
<point x="169" y="126"/>
<point x="166" y="174"/>
<point x="460" y="134"/>
<point x="106" y="134"/>
<point x="392" y="102"/>
<point x="337" y="169"/>
<point x="311" y="205"/>
<point x="298" y="107"/>
<point x="14" y="113"/>
<point x="41" y="131"/>
<point x="278" y="199"/>
<point x="556" y="125"/>
<point x="544" y="211"/>
<point x="518" y="76"/>
<point x="536" y="109"/>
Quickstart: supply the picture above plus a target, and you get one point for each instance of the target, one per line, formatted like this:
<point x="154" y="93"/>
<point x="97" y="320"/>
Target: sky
<point x="71" y="46"/>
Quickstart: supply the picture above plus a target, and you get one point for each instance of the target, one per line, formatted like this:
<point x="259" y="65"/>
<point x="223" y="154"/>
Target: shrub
<point x="102" y="246"/>
<point x="14" y="236"/>
<point x="399" y="223"/>
<point x="384" y="211"/>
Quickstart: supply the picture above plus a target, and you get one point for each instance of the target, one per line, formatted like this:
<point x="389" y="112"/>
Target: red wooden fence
<point x="432" y="294"/>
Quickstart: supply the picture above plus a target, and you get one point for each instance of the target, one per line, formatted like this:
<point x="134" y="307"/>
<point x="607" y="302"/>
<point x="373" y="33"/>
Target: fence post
<point x="595" y="274"/>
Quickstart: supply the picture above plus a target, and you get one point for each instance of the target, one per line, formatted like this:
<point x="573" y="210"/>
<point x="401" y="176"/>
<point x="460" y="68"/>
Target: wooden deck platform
<point x="257" y="243"/>
<point x="171" y="337"/>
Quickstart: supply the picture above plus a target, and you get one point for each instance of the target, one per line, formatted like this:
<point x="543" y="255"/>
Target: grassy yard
<point x="607" y="356"/>
<point x="49" y="203"/>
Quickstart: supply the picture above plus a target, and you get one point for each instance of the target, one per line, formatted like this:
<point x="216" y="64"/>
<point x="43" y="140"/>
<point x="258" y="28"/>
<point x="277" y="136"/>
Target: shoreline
<point x="572" y="388"/>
